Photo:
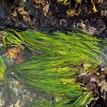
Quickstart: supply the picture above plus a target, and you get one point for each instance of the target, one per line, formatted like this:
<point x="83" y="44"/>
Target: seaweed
<point x="54" y="63"/>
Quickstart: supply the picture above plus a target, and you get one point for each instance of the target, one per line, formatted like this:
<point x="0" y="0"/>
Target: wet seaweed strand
<point x="54" y="62"/>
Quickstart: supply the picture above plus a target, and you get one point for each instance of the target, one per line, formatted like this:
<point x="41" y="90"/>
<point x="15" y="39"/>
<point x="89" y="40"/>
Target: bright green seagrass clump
<point x="54" y="63"/>
<point x="2" y="68"/>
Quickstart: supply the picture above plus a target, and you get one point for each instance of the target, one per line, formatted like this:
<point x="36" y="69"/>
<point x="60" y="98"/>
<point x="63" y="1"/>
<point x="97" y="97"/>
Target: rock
<point x="2" y="13"/>
<point x="20" y="25"/>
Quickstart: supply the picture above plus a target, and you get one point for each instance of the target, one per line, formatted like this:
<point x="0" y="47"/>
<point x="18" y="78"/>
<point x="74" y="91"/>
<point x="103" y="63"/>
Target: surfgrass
<point x="54" y="70"/>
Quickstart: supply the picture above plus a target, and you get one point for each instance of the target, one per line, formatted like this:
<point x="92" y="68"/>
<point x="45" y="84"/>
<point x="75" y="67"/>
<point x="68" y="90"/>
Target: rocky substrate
<point x="15" y="94"/>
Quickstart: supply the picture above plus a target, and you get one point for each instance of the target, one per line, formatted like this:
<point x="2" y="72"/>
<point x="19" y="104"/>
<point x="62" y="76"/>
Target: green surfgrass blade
<point x="53" y="72"/>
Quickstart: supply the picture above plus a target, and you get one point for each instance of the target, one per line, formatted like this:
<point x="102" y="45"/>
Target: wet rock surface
<point x="18" y="95"/>
<point x="96" y="81"/>
<point x="50" y="14"/>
